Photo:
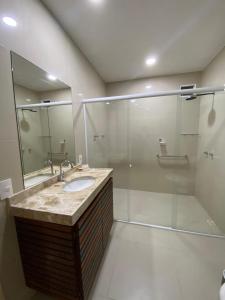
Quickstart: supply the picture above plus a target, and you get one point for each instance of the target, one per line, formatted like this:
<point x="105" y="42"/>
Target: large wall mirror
<point x="45" y="124"/>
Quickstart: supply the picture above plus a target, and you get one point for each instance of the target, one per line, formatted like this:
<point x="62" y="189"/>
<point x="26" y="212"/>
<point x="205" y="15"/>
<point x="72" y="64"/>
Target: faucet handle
<point x="47" y="162"/>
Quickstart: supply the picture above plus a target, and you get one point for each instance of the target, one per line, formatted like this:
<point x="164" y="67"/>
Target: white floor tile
<point x="170" y="210"/>
<point x="143" y="263"/>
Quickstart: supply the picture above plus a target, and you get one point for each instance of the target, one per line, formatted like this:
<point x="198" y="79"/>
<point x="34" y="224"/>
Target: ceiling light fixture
<point x="9" y="21"/>
<point x="96" y="1"/>
<point x="52" y="77"/>
<point x="151" y="61"/>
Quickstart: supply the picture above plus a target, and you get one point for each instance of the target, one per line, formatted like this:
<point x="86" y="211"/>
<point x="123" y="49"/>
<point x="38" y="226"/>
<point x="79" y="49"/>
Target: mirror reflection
<point x="45" y="121"/>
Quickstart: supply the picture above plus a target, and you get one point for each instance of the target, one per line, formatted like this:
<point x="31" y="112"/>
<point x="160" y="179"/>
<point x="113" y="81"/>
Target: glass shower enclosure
<point x="166" y="152"/>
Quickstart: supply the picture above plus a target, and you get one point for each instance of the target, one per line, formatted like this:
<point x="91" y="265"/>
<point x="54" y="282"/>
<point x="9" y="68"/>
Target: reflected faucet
<point x="65" y="162"/>
<point x="50" y="163"/>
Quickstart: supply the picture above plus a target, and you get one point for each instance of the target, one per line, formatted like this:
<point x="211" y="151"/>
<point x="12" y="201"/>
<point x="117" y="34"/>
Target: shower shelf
<point x="197" y="134"/>
<point x="45" y="136"/>
<point x="172" y="156"/>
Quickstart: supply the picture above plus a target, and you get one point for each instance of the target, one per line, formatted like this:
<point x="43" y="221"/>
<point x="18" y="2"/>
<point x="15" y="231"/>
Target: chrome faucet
<point x="65" y="162"/>
<point x="50" y="163"/>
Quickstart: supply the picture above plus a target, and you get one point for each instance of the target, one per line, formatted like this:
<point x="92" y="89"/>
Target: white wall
<point x="210" y="187"/>
<point x="134" y="130"/>
<point x="11" y="275"/>
<point x="10" y="166"/>
<point x="41" y="40"/>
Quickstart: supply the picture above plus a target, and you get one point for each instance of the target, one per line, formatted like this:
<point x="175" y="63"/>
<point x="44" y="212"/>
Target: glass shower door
<point x="201" y="136"/>
<point x="34" y="138"/>
<point x="152" y="125"/>
<point x="108" y="147"/>
<point x="168" y="159"/>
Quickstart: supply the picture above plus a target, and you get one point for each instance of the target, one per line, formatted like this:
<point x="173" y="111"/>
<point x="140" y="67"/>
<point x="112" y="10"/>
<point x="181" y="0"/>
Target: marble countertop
<point x="48" y="202"/>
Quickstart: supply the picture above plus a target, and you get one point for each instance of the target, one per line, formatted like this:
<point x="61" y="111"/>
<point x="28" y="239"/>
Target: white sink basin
<point x="79" y="184"/>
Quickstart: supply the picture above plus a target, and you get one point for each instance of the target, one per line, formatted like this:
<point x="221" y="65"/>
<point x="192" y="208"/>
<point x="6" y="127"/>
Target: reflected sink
<point x="30" y="181"/>
<point x="79" y="184"/>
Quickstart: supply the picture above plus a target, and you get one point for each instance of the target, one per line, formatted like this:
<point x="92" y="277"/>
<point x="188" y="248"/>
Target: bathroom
<point x="137" y="104"/>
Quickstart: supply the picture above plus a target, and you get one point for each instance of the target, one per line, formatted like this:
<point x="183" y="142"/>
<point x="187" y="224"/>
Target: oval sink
<point x="79" y="184"/>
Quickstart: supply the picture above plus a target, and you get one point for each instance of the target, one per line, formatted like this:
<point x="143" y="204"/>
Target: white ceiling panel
<point x="118" y="35"/>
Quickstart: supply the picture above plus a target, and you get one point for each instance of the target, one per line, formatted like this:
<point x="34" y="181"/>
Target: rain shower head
<point x="191" y="97"/>
<point x="195" y="96"/>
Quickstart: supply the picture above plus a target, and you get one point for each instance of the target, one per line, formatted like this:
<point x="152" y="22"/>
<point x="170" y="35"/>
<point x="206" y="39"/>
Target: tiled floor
<point x="177" y="211"/>
<point x="152" y="264"/>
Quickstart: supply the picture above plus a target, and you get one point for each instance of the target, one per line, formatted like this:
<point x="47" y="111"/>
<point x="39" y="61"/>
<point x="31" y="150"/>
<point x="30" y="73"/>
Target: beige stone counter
<point x="48" y="202"/>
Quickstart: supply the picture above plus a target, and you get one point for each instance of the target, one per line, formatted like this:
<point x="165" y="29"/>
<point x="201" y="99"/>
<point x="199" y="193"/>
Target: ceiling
<point x="30" y="76"/>
<point x="118" y="35"/>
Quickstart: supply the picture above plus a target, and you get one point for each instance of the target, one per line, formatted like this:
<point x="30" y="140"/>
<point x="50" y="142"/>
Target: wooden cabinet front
<point x="62" y="260"/>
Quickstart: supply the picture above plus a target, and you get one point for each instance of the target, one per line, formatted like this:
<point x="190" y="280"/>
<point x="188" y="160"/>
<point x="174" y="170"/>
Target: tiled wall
<point x="134" y="129"/>
<point x="210" y="187"/>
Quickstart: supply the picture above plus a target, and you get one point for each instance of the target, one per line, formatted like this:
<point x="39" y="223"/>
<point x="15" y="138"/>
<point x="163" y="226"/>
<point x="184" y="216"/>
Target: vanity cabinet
<point x="63" y="260"/>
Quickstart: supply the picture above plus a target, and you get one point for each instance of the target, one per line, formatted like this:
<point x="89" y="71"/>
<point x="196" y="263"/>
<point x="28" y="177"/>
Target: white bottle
<point x="222" y="289"/>
<point x="222" y="292"/>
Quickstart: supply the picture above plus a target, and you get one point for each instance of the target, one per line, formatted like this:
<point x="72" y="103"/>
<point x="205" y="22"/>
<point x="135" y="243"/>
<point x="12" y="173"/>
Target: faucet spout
<point x="50" y="163"/>
<point x="65" y="162"/>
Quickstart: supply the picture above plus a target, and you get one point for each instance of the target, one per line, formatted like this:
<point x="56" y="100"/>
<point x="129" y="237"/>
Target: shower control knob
<point x="206" y="154"/>
<point x="211" y="155"/>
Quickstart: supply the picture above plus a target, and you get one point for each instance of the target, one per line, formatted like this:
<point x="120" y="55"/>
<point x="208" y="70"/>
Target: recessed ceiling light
<point x="148" y="87"/>
<point x="9" y="21"/>
<point x="96" y="1"/>
<point x="151" y="61"/>
<point x="52" y="77"/>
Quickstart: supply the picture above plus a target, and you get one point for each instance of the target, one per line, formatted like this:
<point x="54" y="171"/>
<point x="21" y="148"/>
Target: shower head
<point x="195" y="96"/>
<point x="191" y="97"/>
